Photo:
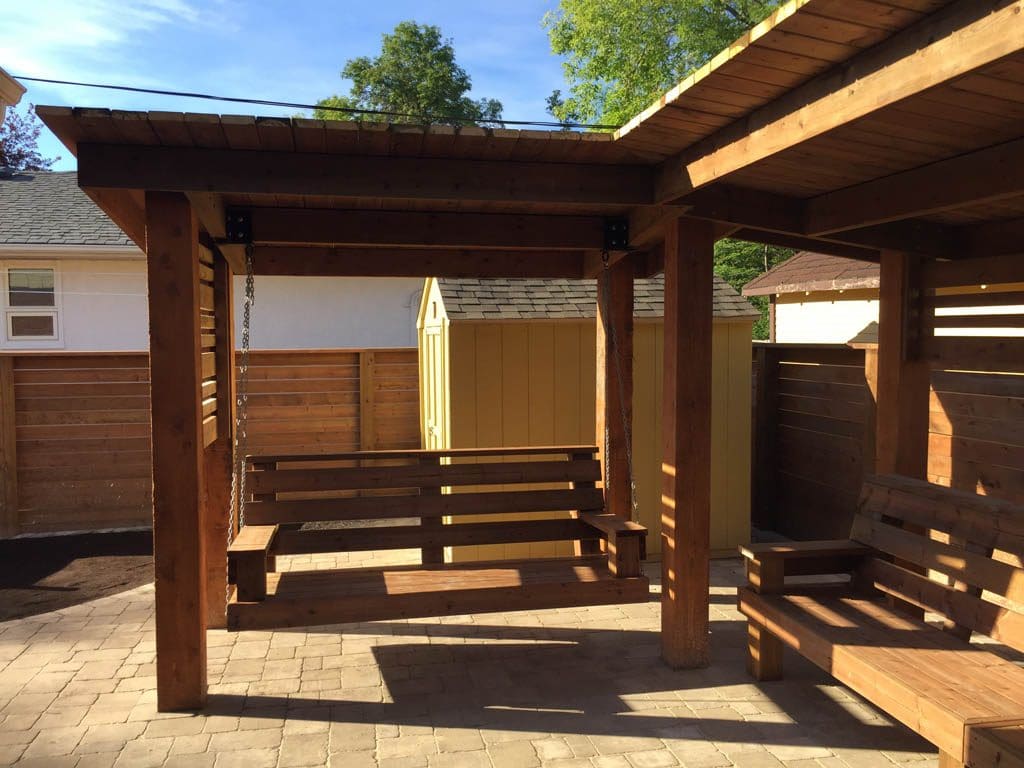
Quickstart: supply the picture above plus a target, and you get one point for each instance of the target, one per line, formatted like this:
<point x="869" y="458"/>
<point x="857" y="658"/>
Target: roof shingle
<point x="528" y="299"/>
<point x="809" y="271"/>
<point x="47" y="208"/>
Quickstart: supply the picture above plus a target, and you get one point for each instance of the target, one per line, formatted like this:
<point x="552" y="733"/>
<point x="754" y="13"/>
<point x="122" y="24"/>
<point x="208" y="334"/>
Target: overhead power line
<point x="325" y="108"/>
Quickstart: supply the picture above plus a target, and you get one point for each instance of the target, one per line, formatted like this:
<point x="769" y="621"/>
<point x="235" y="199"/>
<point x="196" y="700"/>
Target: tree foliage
<point x="19" y="142"/>
<point x="620" y="57"/>
<point x="738" y="262"/>
<point x="415" y="75"/>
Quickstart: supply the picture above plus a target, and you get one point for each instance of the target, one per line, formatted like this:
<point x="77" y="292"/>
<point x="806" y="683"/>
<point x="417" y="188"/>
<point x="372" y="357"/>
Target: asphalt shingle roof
<point x="809" y="271"/>
<point x="528" y="299"/>
<point x="47" y="208"/>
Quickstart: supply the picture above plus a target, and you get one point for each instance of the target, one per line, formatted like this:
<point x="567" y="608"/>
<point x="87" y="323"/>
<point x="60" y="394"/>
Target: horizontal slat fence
<point x="811" y="407"/>
<point x="814" y="436"/>
<point x="78" y="435"/>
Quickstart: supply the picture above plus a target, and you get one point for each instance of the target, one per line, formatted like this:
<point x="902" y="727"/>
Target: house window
<point x="31" y="304"/>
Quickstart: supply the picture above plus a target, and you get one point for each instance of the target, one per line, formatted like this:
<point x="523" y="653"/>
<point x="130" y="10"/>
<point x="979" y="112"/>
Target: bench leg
<point x="764" y="653"/>
<point x="947" y="760"/>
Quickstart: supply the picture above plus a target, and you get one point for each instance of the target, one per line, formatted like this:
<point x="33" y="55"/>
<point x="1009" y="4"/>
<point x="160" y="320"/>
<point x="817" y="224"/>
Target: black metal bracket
<point x="616" y="234"/>
<point x="238" y="225"/>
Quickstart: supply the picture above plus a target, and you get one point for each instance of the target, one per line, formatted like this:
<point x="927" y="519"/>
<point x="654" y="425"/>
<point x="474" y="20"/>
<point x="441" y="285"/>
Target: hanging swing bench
<point x="387" y="500"/>
<point x="372" y="501"/>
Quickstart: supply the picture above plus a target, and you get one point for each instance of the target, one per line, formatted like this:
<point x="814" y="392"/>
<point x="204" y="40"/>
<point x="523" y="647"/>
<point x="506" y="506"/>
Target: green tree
<point x="621" y="56"/>
<point x="738" y="262"/>
<point x="416" y="76"/>
<point x="19" y="143"/>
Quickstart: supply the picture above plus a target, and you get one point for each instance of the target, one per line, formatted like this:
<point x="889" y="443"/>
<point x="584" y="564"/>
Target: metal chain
<point x="241" y="408"/>
<point x="626" y="421"/>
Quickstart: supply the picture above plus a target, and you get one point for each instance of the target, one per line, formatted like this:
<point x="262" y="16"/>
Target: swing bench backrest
<point x="430" y="501"/>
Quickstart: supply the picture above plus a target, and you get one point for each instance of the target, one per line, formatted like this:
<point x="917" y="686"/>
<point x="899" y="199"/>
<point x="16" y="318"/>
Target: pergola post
<point x="179" y="540"/>
<point x="219" y="456"/>
<point x="901" y="433"/>
<point x="615" y="383"/>
<point x="686" y="439"/>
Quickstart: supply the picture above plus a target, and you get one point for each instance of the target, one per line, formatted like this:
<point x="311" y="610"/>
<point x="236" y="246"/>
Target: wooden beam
<point x="219" y="456"/>
<point x="415" y="262"/>
<point x="805" y="244"/>
<point x="943" y="46"/>
<point x="9" y="523"/>
<point x="753" y="209"/>
<point x="178" y="469"/>
<point x="298" y="226"/>
<point x="994" y="238"/>
<point x="126" y="208"/>
<point x="987" y="175"/>
<point x="615" y="384"/>
<point x="986" y="270"/>
<point x="189" y="169"/>
<point x="686" y="437"/>
<point x="901" y="430"/>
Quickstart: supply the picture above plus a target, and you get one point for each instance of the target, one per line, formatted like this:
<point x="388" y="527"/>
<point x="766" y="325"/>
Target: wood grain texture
<point x="686" y="461"/>
<point x="179" y="546"/>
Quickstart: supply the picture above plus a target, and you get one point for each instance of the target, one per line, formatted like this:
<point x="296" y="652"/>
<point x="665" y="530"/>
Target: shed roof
<point x="528" y="299"/>
<point x="809" y="271"/>
<point x="47" y="208"/>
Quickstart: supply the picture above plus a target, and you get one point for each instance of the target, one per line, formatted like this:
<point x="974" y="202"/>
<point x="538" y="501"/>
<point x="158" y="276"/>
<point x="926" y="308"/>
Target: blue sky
<point x="273" y="49"/>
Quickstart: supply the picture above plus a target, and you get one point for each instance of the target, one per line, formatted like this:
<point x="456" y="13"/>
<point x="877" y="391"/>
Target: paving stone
<point x="458" y="740"/>
<point x="247" y="758"/>
<point x="654" y="758"/>
<point x="513" y="754"/>
<point x="476" y="759"/>
<point x="307" y="749"/>
<point x="144" y="753"/>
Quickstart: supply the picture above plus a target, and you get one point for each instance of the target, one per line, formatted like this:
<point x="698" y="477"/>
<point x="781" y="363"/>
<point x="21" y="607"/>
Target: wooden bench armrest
<point x="612" y="525"/>
<point x="247" y="561"/>
<point x="626" y="542"/>
<point x="769" y="564"/>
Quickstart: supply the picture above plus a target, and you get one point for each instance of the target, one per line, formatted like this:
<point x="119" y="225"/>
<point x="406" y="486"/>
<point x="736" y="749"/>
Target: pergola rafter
<point x="818" y="129"/>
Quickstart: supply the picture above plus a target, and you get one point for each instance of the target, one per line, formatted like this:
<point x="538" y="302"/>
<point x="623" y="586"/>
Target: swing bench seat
<point x="381" y="500"/>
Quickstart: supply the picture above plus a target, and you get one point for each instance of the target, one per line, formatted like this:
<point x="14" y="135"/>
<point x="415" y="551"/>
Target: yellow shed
<point x="511" y="363"/>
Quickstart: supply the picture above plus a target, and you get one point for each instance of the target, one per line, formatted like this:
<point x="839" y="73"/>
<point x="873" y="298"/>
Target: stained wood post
<point x="433" y="555"/>
<point x="615" y="383"/>
<point x="870" y="450"/>
<point x="219" y="456"/>
<point x="901" y="431"/>
<point x="686" y="438"/>
<point x="8" y="451"/>
<point x="172" y="240"/>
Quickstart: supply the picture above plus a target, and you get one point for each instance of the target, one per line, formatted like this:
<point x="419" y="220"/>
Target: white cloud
<point x="89" y="39"/>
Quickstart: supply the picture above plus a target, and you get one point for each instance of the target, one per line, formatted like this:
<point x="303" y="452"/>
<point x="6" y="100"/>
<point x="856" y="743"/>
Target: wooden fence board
<point x="81" y="425"/>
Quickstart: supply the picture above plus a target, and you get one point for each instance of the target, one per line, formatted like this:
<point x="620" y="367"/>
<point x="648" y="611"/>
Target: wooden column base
<point x="764" y="654"/>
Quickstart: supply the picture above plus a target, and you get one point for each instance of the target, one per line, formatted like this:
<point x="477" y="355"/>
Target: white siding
<point x="331" y="312"/>
<point x="103" y="307"/>
<point x="827" y="318"/>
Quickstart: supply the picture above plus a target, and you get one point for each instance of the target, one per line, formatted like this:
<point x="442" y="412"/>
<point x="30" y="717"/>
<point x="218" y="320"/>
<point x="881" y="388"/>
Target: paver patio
<point x="571" y="688"/>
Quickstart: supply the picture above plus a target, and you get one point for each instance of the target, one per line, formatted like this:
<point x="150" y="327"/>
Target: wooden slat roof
<point x="807" y="46"/>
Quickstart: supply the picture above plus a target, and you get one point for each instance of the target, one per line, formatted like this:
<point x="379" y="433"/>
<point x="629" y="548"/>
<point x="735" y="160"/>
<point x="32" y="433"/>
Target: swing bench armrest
<point x="626" y="541"/>
<point x="247" y="561"/>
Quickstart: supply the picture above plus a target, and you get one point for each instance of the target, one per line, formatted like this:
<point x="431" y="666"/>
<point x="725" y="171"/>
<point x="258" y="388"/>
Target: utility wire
<point x="296" y="105"/>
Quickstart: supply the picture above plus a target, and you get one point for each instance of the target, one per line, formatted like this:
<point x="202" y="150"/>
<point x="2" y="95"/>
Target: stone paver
<point x="572" y="688"/>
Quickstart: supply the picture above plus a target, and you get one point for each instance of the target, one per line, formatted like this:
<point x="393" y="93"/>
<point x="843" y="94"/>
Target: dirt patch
<point x="45" y="574"/>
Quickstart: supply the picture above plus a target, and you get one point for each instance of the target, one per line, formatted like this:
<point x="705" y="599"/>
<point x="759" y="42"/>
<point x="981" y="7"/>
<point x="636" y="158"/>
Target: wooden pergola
<point x="877" y="129"/>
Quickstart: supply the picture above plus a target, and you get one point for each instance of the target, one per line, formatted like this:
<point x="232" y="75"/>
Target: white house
<point x="10" y="92"/>
<point x="73" y="281"/>
<point x="820" y="299"/>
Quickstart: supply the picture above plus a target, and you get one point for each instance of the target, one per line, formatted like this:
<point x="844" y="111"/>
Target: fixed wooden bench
<point x="919" y="547"/>
<point x="361" y="493"/>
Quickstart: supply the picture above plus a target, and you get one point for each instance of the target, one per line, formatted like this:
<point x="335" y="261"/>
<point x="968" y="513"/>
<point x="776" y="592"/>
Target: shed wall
<point x="533" y="383"/>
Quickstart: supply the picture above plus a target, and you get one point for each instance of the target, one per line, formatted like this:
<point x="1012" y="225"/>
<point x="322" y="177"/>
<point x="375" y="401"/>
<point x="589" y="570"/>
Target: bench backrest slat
<point x="441" y="505"/>
<point x="983" y="616"/>
<point x="423" y="476"/>
<point x="417" y="537"/>
<point x="974" y="542"/>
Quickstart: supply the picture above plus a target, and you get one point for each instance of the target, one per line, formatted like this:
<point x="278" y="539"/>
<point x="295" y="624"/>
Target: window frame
<point x="10" y="341"/>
